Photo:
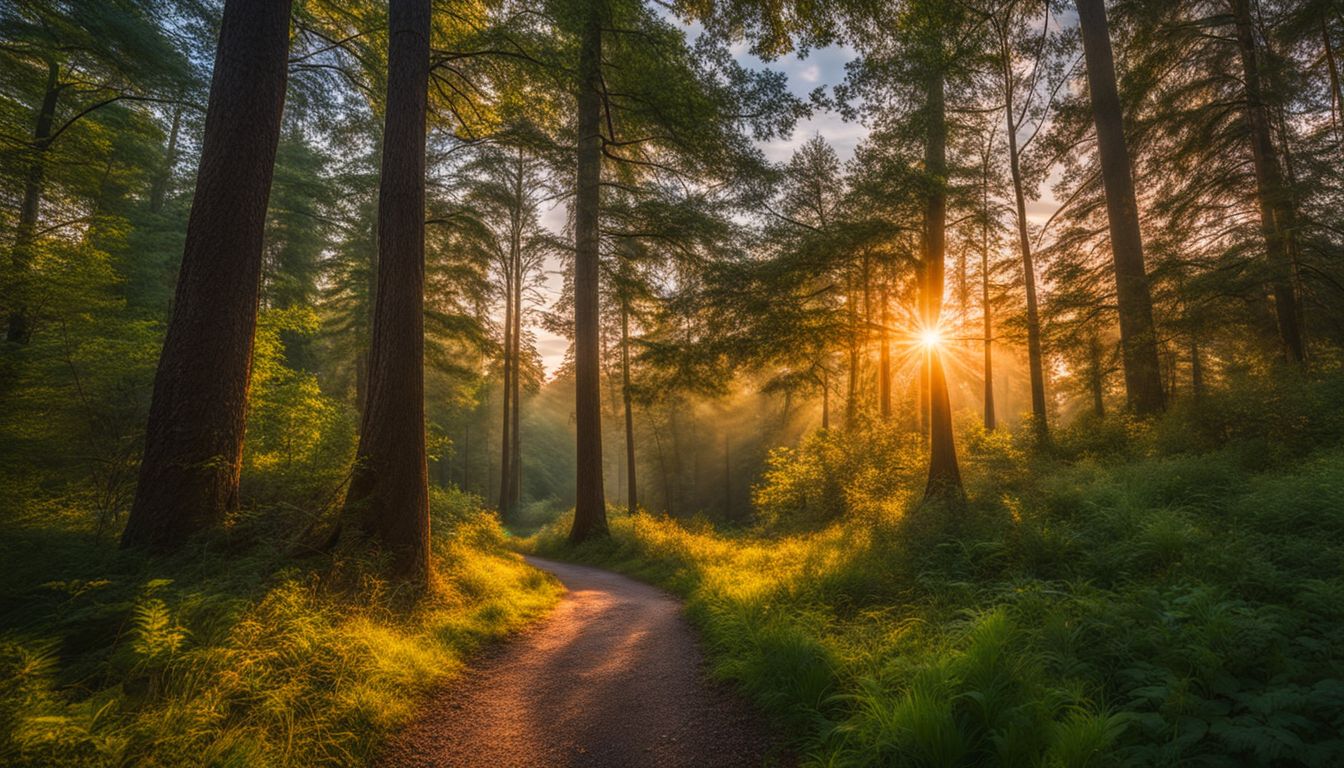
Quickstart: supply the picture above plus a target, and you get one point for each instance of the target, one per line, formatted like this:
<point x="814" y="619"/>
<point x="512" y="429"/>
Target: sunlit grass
<point x="1164" y="605"/>
<point x="240" y="659"/>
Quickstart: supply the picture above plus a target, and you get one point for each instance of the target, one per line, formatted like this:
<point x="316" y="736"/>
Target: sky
<point x="821" y="67"/>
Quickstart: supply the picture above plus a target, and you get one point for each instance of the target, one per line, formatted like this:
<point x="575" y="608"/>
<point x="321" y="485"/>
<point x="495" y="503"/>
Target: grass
<point x="1167" y="594"/>
<point x="235" y="654"/>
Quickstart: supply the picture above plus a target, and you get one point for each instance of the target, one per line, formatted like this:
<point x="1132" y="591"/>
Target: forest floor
<point x="614" y="677"/>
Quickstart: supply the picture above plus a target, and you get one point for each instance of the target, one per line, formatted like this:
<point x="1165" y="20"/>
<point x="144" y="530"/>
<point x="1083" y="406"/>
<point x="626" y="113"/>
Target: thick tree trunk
<point x="19" y="328"/>
<point x="590" y="512"/>
<point x="633" y="501"/>
<point x="944" y="475"/>
<point x="1277" y="217"/>
<point x="159" y="190"/>
<point x="1138" y="337"/>
<point x="389" y="491"/>
<point x="194" y="439"/>
<point x="1035" y="365"/>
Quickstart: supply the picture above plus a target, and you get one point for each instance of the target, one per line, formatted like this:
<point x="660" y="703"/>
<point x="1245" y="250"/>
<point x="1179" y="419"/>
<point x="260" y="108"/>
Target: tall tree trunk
<point x="506" y="428"/>
<point x="194" y="438"/>
<point x="852" y="388"/>
<point x="159" y="190"/>
<point x="633" y="501"/>
<point x="514" y="464"/>
<point x="19" y="329"/>
<point x="944" y="475"/>
<point x="516" y="460"/>
<point x="389" y="490"/>
<point x="988" y="312"/>
<point x="884" y="358"/>
<point x="590" y="512"/>
<point x="1277" y="217"/>
<point x="1138" y="337"/>
<point x="1035" y="365"/>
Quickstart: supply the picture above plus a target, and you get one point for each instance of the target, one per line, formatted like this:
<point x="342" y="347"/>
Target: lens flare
<point x="930" y="338"/>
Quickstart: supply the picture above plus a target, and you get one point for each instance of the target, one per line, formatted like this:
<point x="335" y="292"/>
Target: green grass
<point x="1159" y="598"/>
<point x="235" y="654"/>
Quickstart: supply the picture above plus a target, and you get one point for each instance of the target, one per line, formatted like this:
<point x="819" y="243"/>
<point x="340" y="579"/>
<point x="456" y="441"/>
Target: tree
<point x="944" y="475"/>
<point x="1138" y="336"/>
<point x="590" y="513"/>
<point x="89" y="56"/>
<point x="1277" y="215"/>
<point x="1020" y="93"/>
<point x="389" y="489"/>
<point x="194" y="438"/>
<point x="506" y="186"/>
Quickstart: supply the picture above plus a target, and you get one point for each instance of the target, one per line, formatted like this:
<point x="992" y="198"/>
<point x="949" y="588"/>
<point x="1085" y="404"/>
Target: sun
<point x="930" y="338"/>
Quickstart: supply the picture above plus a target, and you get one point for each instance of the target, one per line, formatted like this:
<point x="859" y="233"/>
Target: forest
<point x="672" y="383"/>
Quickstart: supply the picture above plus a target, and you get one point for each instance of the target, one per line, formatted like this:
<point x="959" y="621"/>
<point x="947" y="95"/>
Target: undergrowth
<point x="1134" y="594"/>
<point x="236" y="653"/>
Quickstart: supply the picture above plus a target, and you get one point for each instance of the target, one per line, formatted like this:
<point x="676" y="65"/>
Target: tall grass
<point x="1172" y="594"/>
<point x="236" y="654"/>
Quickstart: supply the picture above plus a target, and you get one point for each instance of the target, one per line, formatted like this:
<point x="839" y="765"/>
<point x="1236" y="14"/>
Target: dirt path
<point x="612" y="678"/>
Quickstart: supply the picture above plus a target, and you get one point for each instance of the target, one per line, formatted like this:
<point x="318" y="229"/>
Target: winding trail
<point x="613" y="677"/>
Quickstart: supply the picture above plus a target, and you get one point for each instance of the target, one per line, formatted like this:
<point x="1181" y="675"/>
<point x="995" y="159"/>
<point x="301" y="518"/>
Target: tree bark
<point x="944" y="475"/>
<point x="506" y="428"/>
<point x="1277" y="217"/>
<point x="986" y="311"/>
<point x="633" y="501"/>
<point x="988" y="315"/>
<point x="389" y="490"/>
<point x="513" y="478"/>
<point x="19" y="329"/>
<point x="1138" y="337"/>
<point x="194" y="438"/>
<point x="590" y="513"/>
<point x="516" y="460"/>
